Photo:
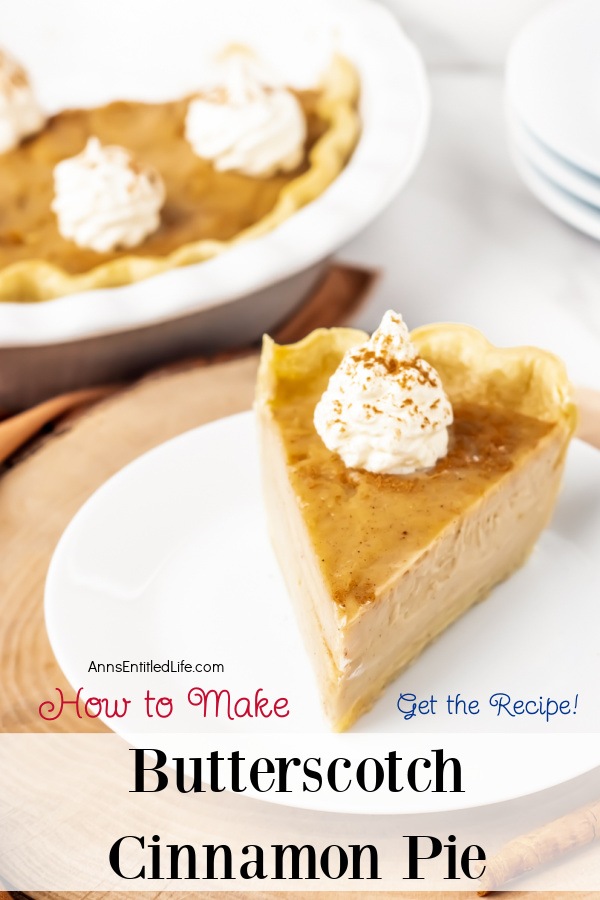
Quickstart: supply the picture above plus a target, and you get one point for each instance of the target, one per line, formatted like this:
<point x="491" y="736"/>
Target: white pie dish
<point x="234" y="297"/>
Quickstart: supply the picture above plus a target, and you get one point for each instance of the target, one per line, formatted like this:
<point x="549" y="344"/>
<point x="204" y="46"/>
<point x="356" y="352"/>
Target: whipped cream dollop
<point x="247" y="125"/>
<point x="20" y="113"/>
<point x="105" y="200"/>
<point x="385" y="409"/>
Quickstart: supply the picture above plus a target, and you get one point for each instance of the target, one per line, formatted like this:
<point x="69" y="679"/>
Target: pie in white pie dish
<point x="235" y="296"/>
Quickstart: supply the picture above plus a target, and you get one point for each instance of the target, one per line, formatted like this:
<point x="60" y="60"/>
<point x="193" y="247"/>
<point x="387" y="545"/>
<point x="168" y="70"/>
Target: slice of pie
<point x="379" y="564"/>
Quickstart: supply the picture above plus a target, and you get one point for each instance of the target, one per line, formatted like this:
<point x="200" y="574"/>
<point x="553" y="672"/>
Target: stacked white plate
<point x="553" y="105"/>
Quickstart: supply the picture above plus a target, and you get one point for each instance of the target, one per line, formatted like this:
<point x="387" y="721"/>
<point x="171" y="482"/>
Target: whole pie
<point x="205" y="210"/>
<point x="379" y="564"/>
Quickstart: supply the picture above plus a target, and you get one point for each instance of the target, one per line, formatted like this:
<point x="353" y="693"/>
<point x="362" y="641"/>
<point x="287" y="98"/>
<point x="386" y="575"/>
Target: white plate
<point x="553" y="74"/>
<point x="93" y="52"/>
<point x="566" y="176"/>
<point x="581" y="215"/>
<point x="170" y="560"/>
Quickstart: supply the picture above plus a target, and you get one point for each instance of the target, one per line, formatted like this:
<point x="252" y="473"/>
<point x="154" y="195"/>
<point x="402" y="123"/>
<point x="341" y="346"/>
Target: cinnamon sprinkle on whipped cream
<point x="20" y="112"/>
<point x="385" y="409"/>
<point x="105" y="199"/>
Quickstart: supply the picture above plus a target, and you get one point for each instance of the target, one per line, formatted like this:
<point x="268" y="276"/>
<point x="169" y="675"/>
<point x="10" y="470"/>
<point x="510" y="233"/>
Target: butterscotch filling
<point x="361" y="522"/>
<point x="201" y="203"/>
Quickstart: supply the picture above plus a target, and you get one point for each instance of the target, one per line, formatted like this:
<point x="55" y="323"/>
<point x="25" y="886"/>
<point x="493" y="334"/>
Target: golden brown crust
<point x="33" y="280"/>
<point x="303" y="360"/>
<point x="527" y="380"/>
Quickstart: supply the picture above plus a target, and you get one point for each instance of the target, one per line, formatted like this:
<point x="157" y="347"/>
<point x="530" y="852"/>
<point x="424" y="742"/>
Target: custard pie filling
<point x="205" y="209"/>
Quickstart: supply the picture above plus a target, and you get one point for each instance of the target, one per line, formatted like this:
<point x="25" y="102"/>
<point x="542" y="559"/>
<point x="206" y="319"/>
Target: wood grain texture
<point x="17" y="430"/>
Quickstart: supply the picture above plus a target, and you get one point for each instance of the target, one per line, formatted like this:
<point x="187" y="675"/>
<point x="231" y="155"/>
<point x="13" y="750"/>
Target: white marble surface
<point x="466" y="241"/>
<point x="463" y="32"/>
